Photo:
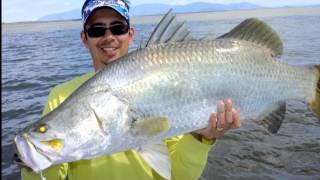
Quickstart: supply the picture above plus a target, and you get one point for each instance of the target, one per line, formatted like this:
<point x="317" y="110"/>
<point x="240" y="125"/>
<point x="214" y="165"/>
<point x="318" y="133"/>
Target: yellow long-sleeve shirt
<point x="188" y="155"/>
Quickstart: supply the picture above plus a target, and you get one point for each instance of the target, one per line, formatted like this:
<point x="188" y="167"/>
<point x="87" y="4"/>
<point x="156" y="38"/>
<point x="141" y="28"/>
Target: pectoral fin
<point x="157" y="157"/>
<point x="150" y="126"/>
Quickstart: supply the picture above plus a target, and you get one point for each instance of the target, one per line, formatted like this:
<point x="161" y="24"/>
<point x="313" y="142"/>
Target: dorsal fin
<point x="256" y="31"/>
<point x="169" y="29"/>
<point x="140" y="45"/>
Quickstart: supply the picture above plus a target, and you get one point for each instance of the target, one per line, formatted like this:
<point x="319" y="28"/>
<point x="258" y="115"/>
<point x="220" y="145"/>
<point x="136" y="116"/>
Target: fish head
<point x="81" y="131"/>
<point x="38" y="146"/>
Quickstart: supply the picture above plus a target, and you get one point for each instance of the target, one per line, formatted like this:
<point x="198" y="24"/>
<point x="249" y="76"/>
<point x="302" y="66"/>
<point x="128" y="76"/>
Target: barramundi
<point x="168" y="88"/>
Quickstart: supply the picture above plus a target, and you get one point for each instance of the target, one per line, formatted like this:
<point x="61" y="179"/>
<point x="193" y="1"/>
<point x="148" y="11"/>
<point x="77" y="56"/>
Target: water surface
<point x="35" y="60"/>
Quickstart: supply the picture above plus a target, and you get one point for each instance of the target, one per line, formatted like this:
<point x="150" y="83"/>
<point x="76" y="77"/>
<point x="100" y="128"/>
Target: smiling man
<point x="107" y="34"/>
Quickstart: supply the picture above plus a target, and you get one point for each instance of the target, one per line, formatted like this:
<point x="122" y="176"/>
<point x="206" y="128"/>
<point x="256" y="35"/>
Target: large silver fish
<point x="168" y="89"/>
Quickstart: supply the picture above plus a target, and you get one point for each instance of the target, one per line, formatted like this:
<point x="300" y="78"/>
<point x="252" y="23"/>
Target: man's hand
<point x="226" y="118"/>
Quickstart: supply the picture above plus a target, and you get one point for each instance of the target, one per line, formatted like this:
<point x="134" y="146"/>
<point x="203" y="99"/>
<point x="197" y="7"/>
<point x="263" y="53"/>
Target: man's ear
<point x="84" y="38"/>
<point x="131" y="34"/>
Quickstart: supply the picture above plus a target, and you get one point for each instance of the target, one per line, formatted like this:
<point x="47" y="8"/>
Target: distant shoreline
<point x="193" y="16"/>
<point x="214" y="15"/>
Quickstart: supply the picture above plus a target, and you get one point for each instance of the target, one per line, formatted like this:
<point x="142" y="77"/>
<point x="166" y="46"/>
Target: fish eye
<point x="42" y="128"/>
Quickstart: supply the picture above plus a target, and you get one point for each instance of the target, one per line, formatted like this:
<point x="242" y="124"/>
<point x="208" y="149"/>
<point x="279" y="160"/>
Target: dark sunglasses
<point x="99" y="31"/>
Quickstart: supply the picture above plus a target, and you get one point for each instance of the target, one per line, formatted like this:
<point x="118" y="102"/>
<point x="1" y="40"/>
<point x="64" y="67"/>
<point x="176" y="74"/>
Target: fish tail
<point x="315" y="103"/>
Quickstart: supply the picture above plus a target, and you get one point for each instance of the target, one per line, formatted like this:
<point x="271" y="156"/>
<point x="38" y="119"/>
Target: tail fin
<point x="315" y="104"/>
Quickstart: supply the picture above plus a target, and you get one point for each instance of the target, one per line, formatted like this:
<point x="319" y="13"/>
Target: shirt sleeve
<point x="54" y="100"/>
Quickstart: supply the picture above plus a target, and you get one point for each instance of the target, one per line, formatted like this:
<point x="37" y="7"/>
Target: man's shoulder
<point x="60" y="92"/>
<point x="71" y="85"/>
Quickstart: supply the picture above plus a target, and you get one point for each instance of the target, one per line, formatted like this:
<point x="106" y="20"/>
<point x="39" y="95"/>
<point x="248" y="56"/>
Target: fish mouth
<point x="37" y="155"/>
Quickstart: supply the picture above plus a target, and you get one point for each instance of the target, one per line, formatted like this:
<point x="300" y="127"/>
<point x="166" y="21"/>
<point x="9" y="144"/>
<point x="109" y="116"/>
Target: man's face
<point x="109" y="47"/>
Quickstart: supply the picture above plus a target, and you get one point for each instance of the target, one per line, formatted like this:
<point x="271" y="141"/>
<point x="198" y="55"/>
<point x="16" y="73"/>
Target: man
<point x="107" y="34"/>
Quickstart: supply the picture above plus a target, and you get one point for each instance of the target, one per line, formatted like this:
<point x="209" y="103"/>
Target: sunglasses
<point x="99" y="31"/>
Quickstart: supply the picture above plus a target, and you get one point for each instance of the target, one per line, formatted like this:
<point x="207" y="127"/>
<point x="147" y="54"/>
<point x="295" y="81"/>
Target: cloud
<point x="17" y="10"/>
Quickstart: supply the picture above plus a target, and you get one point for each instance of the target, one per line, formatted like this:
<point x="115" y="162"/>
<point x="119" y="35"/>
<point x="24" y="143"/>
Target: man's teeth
<point x="109" y="49"/>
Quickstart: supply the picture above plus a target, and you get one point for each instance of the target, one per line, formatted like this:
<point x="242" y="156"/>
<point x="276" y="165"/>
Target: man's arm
<point x="57" y="172"/>
<point x="188" y="156"/>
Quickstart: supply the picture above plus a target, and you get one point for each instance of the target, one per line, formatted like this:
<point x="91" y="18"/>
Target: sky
<point x="21" y="10"/>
